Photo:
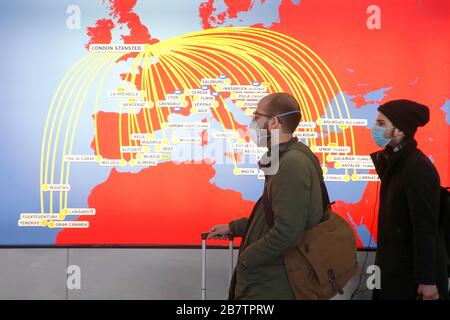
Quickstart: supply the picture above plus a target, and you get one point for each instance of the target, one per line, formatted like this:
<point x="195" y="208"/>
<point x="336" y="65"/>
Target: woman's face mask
<point x="258" y="134"/>
<point x="379" y="136"/>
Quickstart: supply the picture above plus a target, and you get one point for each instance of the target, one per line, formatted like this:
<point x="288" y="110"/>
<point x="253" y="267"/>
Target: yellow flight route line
<point x="331" y="90"/>
<point x="223" y="69"/>
<point x="171" y="79"/>
<point x="89" y="71"/>
<point x="147" y="51"/>
<point x="318" y="78"/>
<point x="135" y="62"/>
<point x="237" y="30"/>
<point x="339" y="92"/>
<point x="216" y="51"/>
<point x="145" y="111"/>
<point x="175" y="72"/>
<point x="150" y="96"/>
<point x="204" y="72"/>
<point x="283" y="69"/>
<point x="312" y="70"/>
<point x="223" y="32"/>
<point x="127" y="82"/>
<point x="60" y="100"/>
<point x="260" y="71"/>
<point x="61" y="117"/>
<point x="97" y="96"/>
<point x="286" y="76"/>
<point x="285" y="66"/>
<point x="107" y="60"/>
<point x="69" y="72"/>
<point x="132" y="85"/>
<point x="159" y="113"/>
<point x="171" y="69"/>
<point x="132" y="120"/>
<point x="326" y="79"/>
<point x="268" y="76"/>
<point x="161" y="83"/>
<point x="228" y="72"/>
<point x="155" y="94"/>
<point x="80" y="89"/>
<point x="194" y="79"/>
<point x="221" y="40"/>
<point x="150" y="103"/>
<point x="321" y="62"/>
<point x="318" y="92"/>
<point x="45" y="156"/>
<point x="169" y="76"/>
<point x="148" y="88"/>
<point x="174" y="68"/>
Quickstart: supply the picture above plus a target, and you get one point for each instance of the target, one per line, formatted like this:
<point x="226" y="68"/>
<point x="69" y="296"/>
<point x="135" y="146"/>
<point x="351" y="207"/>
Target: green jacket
<point x="295" y="194"/>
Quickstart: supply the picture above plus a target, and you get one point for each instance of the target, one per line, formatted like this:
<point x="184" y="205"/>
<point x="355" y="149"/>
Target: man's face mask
<point x="260" y="136"/>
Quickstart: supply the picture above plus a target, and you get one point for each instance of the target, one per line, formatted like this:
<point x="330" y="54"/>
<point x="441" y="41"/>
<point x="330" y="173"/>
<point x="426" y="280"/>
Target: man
<point x="410" y="250"/>
<point x="295" y="195"/>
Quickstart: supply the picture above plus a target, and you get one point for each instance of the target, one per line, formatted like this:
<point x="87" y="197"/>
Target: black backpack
<point x="445" y="219"/>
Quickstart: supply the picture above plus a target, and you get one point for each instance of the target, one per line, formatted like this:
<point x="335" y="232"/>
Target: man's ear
<point x="275" y="123"/>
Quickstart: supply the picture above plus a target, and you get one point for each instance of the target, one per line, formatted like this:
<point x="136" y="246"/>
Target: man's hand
<point x="219" y="232"/>
<point x="428" y="292"/>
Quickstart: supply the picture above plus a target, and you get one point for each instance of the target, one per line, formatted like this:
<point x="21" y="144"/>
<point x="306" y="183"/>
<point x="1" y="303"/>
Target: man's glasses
<point x="259" y="114"/>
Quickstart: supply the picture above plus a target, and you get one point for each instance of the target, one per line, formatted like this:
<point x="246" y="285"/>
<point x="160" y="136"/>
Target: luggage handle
<point x="204" y="236"/>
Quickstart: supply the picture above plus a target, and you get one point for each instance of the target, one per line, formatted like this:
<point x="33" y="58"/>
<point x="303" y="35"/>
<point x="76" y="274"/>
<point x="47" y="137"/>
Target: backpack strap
<point x="268" y="210"/>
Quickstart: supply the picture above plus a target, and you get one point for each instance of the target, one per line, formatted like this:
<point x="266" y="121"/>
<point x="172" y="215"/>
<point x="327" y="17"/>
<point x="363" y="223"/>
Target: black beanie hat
<point x="406" y="115"/>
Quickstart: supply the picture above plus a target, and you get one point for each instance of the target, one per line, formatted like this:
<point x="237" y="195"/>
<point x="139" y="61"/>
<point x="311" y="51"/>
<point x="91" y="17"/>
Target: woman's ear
<point x="399" y="133"/>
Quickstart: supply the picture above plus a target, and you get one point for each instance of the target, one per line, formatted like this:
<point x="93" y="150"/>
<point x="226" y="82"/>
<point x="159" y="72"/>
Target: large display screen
<point x="124" y="122"/>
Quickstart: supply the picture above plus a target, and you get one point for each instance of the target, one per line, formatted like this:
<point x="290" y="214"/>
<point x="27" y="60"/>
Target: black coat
<point x="410" y="247"/>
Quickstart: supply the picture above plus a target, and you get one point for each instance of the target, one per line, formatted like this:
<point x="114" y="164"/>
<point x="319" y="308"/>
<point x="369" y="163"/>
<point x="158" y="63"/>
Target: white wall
<point x="121" y="274"/>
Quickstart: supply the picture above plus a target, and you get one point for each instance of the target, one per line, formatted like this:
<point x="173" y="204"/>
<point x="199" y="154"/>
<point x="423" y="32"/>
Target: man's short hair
<point x="282" y="102"/>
